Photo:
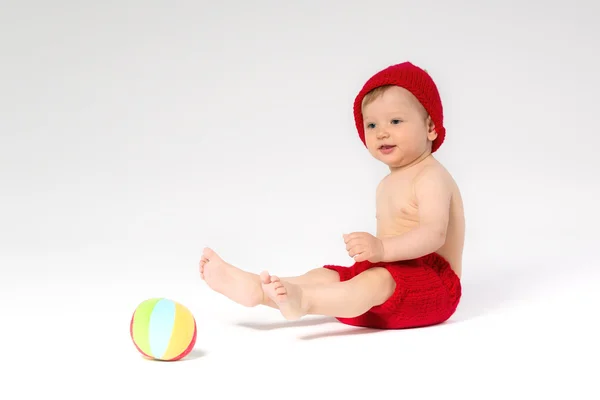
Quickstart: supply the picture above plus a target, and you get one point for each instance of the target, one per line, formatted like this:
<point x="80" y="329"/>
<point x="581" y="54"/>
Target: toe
<point x="281" y="298"/>
<point x="265" y="278"/>
<point x="275" y="278"/>
<point x="208" y="253"/>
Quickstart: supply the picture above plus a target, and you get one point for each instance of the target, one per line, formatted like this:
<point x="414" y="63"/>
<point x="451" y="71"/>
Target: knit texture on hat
<point x="415" y="80"/>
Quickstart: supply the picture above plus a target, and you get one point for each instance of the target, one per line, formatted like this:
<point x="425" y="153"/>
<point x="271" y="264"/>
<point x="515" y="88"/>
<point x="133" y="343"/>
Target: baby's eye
<point x="395" y="121"/>
<point x="370" y="126"/>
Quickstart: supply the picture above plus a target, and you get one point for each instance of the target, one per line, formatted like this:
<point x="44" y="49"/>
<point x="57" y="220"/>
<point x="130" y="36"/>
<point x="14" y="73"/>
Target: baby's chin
<point x="392" y="159"/>
<point x="397" y="162"/>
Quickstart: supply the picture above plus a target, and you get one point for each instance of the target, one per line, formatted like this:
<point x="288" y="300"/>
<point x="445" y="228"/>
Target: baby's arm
<point x="433" y="193"/>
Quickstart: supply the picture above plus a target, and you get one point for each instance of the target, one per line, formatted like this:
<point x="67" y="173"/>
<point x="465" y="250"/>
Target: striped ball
<point x="162" y="329"/>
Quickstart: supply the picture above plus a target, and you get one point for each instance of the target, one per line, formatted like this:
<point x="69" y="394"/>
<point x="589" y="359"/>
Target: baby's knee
<point x="323" y="275"/>
<point x="382" y="284"/>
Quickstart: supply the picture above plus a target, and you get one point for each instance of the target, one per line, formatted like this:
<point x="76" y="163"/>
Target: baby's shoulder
<point x="432" y="170"/>
<point x="433" y="177"/>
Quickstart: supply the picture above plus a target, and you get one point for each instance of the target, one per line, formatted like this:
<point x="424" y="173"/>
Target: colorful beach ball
<point x="162" y="329"/>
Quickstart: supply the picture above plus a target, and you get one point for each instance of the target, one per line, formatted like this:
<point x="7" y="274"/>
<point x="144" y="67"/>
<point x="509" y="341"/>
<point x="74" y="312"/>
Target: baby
<point x="408" y="274"/>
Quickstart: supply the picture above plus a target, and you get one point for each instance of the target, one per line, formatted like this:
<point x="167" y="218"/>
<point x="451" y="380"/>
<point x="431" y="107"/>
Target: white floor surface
<point x="517" y="335"/>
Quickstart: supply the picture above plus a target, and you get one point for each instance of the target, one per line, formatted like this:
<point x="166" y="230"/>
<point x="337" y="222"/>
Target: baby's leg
<point x="314" y="276"/>
<point x="245" y="287"/>
<point x="346" y="299"/>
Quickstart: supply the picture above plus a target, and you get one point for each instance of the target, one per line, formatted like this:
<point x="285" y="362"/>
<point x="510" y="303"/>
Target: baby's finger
<point x="352" y="251"/>
<point x="349" y="236"/>
<point x="362" y="256"/>
<point x="354" y="242"/>
<point x="356" y="249"/>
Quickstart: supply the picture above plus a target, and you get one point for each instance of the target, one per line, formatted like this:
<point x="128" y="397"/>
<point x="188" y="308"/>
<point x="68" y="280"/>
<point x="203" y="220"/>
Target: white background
<point x="135" y="133"/>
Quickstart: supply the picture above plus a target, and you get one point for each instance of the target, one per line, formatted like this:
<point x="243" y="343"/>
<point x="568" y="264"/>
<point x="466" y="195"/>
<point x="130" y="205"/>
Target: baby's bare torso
<point x="398" y="210"/>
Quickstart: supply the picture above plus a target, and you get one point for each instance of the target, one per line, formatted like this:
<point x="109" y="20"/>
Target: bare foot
<point x="240" y="286"/>
<point x="287" y="296"/>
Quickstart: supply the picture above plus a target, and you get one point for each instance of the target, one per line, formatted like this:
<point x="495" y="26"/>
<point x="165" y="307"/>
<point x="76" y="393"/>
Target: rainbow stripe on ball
<point x="163" y="329"/>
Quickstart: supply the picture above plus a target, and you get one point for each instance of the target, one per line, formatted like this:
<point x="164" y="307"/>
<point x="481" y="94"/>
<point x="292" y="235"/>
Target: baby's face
<point x="397" y="129"/>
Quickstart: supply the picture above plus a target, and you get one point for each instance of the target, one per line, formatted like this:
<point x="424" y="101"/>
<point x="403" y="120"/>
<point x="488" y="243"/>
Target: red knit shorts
<point x="427" y="293"/>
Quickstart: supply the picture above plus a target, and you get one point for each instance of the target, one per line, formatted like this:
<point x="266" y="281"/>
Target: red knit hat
<point x="415" y="80"/>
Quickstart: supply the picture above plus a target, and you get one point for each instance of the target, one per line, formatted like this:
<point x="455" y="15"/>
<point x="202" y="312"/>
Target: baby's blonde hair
<point x="379" y="91"/>
<point x="374" y="94"/>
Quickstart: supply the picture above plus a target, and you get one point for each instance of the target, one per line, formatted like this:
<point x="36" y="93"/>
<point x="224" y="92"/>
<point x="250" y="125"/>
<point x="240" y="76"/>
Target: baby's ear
<point x="431" y="133"/>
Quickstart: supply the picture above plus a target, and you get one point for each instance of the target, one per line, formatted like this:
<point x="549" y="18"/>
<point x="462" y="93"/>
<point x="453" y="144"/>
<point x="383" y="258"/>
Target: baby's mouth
<point x="386" y="146"/>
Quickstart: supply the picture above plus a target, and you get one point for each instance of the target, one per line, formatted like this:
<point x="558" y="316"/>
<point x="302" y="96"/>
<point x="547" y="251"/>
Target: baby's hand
<point x="363" y="246"/>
